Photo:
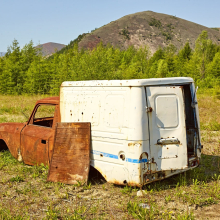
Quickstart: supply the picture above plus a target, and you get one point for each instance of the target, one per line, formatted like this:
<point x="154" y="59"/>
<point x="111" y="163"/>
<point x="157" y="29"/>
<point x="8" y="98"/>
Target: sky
<point x="57" y="21"/>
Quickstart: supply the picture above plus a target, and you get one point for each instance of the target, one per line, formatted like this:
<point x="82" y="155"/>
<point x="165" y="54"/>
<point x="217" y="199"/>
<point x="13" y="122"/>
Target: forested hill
<point x="148" y="28"/>
<point x="27" y="71"/>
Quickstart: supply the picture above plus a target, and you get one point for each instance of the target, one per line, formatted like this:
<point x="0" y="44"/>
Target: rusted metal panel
<point x="46" y="101"/>
<point x="50" y="100"/>
<point x="38" y="135"/>
<point x="71" y="154"/>
<point x="35" y="142"/>
<point x="10" y="135"/>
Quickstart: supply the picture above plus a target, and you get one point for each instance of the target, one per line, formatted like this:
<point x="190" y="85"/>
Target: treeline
<point x="27" y="71"/>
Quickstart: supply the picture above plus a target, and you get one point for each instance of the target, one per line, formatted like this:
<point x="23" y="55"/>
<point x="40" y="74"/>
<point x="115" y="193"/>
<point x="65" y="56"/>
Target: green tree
<point x="204" y="52"/>
<point x="12" y="76"/>
<point x="185" y="53"/>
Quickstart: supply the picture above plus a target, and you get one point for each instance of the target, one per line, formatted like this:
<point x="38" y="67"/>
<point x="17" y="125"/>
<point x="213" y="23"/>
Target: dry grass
<point x="17" y="108"/>
<point x="209" y="111"/>
<point x="25" y="194"/>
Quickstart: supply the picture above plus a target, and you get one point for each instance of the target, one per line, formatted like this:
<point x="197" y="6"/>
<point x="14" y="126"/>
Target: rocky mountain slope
<point x="148" y="28"/>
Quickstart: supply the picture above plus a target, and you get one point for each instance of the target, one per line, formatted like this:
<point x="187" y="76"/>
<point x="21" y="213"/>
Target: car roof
<point x="49" y="100"/>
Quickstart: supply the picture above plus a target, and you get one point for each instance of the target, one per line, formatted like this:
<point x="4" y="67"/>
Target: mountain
<point x="50" y="48"/>
<point x="148" y="28"/>
<point x="2" y="54"/>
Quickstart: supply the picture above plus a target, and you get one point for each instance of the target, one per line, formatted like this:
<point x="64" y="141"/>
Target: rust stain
<point x="144" y="153"/>
<point x="125" y="182"/>
<point x="154" y="176"/>
<point x="149" y="109"/>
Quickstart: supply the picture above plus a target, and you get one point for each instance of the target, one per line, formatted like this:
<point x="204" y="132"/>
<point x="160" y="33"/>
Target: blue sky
<point x="56" y="21"/>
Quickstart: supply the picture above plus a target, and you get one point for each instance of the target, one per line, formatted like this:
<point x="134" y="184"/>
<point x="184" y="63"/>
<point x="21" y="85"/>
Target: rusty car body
<point x="32" y="142"/>
<point x="141" y="130"/>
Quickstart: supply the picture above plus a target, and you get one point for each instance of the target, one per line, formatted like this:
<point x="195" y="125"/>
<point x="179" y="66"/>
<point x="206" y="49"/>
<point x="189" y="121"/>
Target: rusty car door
<point x="37" y="137"/>
<point x="166" y="112"/>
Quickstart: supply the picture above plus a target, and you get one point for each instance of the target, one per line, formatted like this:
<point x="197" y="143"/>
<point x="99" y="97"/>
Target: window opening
<point x="44" y="115"/>
<point x="191" y="130"/>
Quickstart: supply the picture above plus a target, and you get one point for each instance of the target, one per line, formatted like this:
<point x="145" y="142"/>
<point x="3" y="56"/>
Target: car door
<point x="37" y="137"/>
<point x="166" y="112"/>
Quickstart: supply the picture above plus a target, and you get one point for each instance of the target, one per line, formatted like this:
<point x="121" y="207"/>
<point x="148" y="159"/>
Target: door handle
<point x="164" y="141"/>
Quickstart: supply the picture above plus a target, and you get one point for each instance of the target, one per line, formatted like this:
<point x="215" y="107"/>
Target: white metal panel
<point x="138" y="121"/>
<point x="128" y="83"/>
<point x="167" y="152"/>
<point x="114" y="112"/>
<point x="167" y="111"/>
<point x="118" y="126"/>
<point x="106" y="108"/>
<point x="167" y="124"/>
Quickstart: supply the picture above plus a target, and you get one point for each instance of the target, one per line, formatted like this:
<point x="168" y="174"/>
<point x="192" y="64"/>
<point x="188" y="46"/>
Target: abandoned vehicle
<point x="133" y="132"/>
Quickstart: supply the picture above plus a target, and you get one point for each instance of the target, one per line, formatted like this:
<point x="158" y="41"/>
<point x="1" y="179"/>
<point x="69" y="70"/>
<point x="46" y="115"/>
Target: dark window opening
<point x="44" y="115"/>
<point x="191" y="129"/>
<point x="190" y="120"/>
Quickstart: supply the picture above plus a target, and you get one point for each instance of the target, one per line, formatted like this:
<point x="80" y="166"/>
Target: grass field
<point x="25" y="194"/>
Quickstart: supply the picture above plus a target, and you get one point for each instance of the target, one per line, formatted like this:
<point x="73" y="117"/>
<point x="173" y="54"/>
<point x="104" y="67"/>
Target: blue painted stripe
<point x="104" y="154"/>
<point x="113" y="156"/>
<point x="136" y="160"/>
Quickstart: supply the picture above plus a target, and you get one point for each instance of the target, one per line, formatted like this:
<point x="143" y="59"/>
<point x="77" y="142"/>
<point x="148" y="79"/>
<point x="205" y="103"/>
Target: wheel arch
<point x="3" y="145"/>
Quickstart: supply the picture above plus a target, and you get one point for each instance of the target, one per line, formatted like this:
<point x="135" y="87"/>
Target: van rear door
<point x="167" y="132"/>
